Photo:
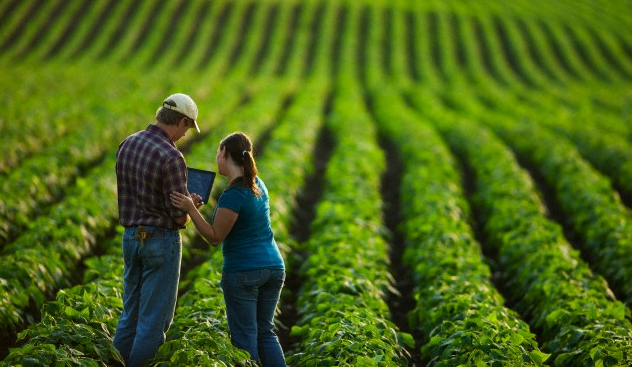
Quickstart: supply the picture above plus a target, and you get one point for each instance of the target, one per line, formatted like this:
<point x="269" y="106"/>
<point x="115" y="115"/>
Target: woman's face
<point x="220" y="159"/>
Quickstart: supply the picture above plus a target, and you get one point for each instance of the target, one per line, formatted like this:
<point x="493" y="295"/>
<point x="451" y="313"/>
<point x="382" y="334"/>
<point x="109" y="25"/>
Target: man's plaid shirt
<point x="148" y="168"/>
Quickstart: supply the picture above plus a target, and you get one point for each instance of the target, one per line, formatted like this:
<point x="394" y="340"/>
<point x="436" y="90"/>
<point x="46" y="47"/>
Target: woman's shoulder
<point x="262" y="185"/>
<point x="234" y="192"/>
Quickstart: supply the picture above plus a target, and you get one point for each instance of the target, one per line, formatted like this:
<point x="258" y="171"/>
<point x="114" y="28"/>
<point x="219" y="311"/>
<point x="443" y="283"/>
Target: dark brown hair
<point x="167" y="116"/>
<point x="239" y="147"/>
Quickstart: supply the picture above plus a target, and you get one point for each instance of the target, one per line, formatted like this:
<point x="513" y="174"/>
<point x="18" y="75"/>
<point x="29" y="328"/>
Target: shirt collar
<point x="158" y="131"/>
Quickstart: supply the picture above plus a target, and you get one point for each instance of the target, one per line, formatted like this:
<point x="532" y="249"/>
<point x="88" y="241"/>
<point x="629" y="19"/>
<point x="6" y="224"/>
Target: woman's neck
<point x="234" y="172"/>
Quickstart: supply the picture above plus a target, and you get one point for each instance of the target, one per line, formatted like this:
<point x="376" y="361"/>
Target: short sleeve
<point x="232" y="199"/>
<point x="174" y="180"/>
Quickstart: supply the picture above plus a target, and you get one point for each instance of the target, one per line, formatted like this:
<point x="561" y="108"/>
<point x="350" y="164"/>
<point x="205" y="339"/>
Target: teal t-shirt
<point x="250" y="243"/>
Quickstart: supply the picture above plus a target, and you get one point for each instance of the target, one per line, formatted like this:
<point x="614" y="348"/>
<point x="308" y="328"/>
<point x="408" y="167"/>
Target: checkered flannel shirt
<point x="148" y="168"/>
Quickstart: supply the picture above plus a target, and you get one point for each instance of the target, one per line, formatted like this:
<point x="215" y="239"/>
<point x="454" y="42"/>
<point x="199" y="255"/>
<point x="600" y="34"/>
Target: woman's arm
<point x="214" y="232"/>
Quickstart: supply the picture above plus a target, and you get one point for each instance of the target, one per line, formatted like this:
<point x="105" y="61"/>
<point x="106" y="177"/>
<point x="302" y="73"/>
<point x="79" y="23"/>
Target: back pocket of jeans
<point x="249" y="277"/>
<point x="152" y="254"/>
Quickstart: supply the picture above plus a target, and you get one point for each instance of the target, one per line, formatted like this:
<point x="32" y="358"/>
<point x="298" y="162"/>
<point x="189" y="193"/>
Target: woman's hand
<point x="183" y="202"/>
<point x="197" y="200"/>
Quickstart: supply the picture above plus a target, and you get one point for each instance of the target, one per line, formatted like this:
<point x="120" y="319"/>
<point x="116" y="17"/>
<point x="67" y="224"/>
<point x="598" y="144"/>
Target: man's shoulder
<point x="133" y="139"/>
<point x="148" y="150"/>
<point x="150" y="139"/>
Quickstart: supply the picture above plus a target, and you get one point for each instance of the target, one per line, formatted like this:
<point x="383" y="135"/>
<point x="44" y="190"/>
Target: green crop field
<point x="450" y="180"/>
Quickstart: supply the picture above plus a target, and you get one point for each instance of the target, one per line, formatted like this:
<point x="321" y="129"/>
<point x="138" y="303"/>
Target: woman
<point x="253" y="271"/>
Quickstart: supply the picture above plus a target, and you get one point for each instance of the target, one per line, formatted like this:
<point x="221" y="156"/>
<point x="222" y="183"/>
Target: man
<point x="148" y="168"/>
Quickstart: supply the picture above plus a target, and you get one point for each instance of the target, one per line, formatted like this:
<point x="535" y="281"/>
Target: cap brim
<point x="196" y="126"/>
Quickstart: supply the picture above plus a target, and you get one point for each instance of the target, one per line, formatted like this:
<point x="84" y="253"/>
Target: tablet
<point x="200" y="182"/>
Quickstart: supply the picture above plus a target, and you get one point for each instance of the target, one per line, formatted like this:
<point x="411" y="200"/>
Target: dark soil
<point x="300" y="231"/>
<point x="402" y="302"/>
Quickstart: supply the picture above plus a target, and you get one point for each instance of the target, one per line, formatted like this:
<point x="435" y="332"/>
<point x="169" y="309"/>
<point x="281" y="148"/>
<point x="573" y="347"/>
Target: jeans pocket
<point x="152" y="254"/>
<point x="249" y="277"/>
<point x="277" y="276"/>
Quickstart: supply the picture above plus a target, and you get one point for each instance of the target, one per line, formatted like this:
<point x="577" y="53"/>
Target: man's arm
<point x="175" y="179"/>
<point x="183" y="220"/>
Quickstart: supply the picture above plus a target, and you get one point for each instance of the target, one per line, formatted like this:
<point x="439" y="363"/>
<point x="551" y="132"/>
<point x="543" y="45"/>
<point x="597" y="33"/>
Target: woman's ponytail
<point x="250" y="172"/>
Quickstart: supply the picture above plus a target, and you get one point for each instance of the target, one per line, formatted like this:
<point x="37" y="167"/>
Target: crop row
<point x="591" y="208"/>
<point x="571" y="309"/>
<point x="40" y="260"/>
<point x="537" y="55"/>
<point x="43" y="178"/>
<point x="78" y="326"/>
<point x="514" y="44"/>
<point x="602" y="140"/>
<point x="490" y="42"/>
<point x="525" y="50"/>
<point x="28" y="101"/>
<point x="343" y="315"/>
<point x="459" y="312"/>
<point x="549" y="320"/>
<point x="136" y="33"/>
<point x="468" y="41"/>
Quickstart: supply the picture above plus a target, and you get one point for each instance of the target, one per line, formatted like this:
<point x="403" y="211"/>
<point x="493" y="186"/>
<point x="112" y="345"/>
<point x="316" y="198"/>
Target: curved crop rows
<point x="458" y="308"/>
<point x="449" y="180"/>
<point x="550" y="285"/>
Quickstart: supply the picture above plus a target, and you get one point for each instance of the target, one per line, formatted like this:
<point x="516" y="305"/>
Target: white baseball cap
<point x="184" y="105"/>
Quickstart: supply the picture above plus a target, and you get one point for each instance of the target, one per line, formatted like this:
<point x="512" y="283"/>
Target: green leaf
<point x="539" y="357"/>
<point x="406" y="339"/>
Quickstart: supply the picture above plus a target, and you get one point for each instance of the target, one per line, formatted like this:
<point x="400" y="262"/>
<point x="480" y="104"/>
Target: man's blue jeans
<point x="152" y="272"/>
<point x="251" y="298"/>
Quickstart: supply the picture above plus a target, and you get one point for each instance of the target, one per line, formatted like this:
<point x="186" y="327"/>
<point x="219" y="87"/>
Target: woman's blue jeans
<point x="251" y="298"/>
<point x="151" y="275"/>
